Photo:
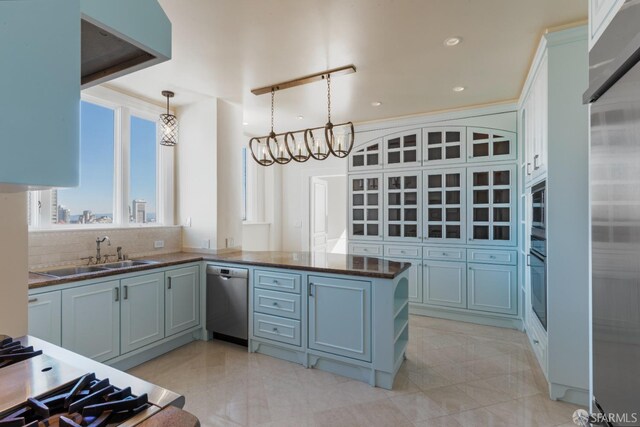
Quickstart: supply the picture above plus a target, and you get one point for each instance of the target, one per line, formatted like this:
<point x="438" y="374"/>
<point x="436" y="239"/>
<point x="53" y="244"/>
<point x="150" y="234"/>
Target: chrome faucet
<point x="98" y="241"/>
<point x="119" y="250"/>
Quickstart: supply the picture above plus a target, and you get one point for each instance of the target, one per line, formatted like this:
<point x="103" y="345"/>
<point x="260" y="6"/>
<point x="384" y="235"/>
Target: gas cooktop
<point x="44" y="385"/>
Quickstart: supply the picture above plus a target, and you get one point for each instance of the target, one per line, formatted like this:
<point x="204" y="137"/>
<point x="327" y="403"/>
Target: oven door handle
<point x="529" y="260"/>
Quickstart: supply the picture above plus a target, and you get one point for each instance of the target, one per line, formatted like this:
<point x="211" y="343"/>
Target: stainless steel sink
<point x="73" y="271"/>
<point x="128" y="263"/>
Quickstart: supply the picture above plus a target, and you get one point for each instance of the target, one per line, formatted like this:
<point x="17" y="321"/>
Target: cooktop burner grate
<point x="13" y="352"/>
<point x="87" y="402"/>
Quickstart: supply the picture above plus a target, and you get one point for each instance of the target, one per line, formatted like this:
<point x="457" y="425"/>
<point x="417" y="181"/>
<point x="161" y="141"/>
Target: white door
<point x="319" y="215"/>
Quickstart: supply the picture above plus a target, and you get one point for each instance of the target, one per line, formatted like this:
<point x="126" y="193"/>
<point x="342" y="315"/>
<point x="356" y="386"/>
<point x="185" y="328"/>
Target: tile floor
<point x="456" y="375"/>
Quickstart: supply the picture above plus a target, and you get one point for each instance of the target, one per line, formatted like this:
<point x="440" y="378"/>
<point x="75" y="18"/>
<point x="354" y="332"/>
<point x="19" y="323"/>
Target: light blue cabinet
<point x="415" y="277"/>
<point x="182" y="299"/>
<point x="40" y="109"/>
<point x="340" y="317"/>
<point x="91" y="320"/>
<point x="142" y="311"/>
<point x="45" y="313"/>
<point x="493" y="288"/>
<point x="445" y="283"/>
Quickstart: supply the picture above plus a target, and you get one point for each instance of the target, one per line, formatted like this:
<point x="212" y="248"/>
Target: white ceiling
<point x="225" y="48"/>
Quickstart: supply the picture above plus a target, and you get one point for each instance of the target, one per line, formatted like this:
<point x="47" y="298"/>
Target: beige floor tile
<point x="456" y="375"/>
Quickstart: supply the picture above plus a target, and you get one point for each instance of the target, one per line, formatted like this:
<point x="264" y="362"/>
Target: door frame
<point x="307" y="177"/>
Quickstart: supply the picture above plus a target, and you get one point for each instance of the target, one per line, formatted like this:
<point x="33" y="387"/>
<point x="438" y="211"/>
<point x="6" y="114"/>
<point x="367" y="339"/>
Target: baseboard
<point x="481" y="319"/>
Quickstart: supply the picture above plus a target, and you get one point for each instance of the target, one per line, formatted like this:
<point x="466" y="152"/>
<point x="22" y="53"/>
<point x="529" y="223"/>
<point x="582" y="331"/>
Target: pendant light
<point x="168" y="128"/>
<point x="319" y="142"/>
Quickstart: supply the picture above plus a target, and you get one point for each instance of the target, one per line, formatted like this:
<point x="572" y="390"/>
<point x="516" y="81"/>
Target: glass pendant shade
<point x="316" y="143"/>
<point x="296" y="147"/>
<point x="259" y="151"/>
<point x="339" y="138"/>
<point x="168" y="124"/>
<point x="277" y="149"/>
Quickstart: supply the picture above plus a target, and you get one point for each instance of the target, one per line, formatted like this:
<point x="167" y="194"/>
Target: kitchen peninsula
<point x="345" y="314"/>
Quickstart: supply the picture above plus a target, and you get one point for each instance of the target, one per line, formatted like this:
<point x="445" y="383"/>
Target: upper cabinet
<point x="490" y="145"/>
<point x="403" y="149"/>
<point x="444" y="145"/>
<point x="367" y="157"/>
<point x="40" y="110"/>
<point x="365" y="207"/>
<point x="54" y="47"/>
<point x="534" y="125"/>
<point x="601" y="12"/>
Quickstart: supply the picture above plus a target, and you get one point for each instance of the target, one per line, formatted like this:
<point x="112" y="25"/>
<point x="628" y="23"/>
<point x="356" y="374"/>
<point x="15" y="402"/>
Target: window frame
<point x="123" y="106"/>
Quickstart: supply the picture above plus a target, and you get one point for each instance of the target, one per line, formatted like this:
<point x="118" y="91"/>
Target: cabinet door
<point x="340" y="317"/>
<point x="540" y="111"/>
<point x="491" y="205"/>
<point x="182" y="299"/>
<point x="367" y="157"/>
<point x="484" y="145"/>
<point x="403" y="206"/>
<point x="444" y="206"/>
<point x="142" y="311"/>
<point x="493" y="288"/>
<point x="442" y="145"/>
<point x="45" y="311"/>
<point x="601" y="12"/>
<point x="91" y="320"/>
<point x="445" y="283"/>
<point x="403" y="149"/>
<point x="415" y="277"/>
<point x="365" y="207"/>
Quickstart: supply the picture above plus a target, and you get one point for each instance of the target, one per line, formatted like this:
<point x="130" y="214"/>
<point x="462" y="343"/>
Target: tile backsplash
<point x="49" y="248"/>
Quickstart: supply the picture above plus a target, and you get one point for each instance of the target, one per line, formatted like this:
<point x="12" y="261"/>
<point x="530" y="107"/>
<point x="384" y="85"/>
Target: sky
<point x="95" y="192"/>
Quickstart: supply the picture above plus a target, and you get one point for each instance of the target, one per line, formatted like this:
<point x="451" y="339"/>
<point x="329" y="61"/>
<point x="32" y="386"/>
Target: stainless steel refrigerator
<point x="614" y="94"/>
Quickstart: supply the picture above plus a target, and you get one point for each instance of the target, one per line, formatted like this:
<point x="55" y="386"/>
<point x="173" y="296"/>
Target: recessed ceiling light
<point x="300" y="117"/>
<point x="376" y="103"/>
<point x="452" y="41"/>
<point x="245" y="123"/>
<point x="458" y="88"/>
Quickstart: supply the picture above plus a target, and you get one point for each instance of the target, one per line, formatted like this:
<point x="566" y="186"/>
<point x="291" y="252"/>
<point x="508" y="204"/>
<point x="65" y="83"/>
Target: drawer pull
<point x="33" y="300"/>
<point x="275" y="330"/>
<point x="536" y="342"/>
<point x="492" y="257"/>
<point x="403" y="252"/>
<point x="275" y="303"/>
<point x="444" y="254"/>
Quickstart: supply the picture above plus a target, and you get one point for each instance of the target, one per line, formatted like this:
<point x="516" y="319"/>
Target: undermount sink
<point x="73" y="271"/>
<point x="128" y="263"/>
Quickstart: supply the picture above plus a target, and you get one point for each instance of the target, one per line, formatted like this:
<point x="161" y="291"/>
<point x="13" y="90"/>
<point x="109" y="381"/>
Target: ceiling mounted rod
<point x="347" y="69"/>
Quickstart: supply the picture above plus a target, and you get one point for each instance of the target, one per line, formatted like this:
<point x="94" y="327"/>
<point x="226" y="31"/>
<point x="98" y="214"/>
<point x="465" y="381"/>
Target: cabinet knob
<point x="275" y="303"/>
<point x="444" y="254"/>
<point x="492" y="256"/>
<point x="275" y="282"/>
<point x="536" y="342"/>
<point x="275" y="330"/>
<point x="402" y="252"/>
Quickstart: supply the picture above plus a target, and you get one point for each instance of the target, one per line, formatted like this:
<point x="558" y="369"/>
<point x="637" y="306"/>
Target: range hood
<point x="114" y="44"/>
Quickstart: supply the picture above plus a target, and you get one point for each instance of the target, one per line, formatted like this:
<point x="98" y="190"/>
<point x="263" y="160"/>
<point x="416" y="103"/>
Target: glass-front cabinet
<point x="403" y="149"/>
<point x="367" y="157"/>
<point x="403" y="207"/>
<point x="491" y="205"/>
<point x="442" y="145"/>
<point x="485" y="145"/>
<point x="365" y="207"/>
<point x="444" y="205"/>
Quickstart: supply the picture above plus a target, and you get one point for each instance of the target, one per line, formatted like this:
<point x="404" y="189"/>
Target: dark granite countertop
<point x="353" y="265"/>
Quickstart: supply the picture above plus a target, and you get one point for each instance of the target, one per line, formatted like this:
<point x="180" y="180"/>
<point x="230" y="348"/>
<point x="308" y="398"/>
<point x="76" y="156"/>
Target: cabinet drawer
<point x="442" y="253"/>
<point x="492" y="256"/>
<point x="365" y="249"/>
<point x="398" y="251"/>
<point x="277" y="280"/>
<point x="277" y="328"/>
<point x="277" y="303"/>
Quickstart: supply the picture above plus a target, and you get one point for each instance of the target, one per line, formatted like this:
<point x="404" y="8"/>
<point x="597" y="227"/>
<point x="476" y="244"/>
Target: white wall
<point x="231" y="140"/>
<point x="196" y="176"/>
<point x="13" y="264"/>
<point x="337" y="204"/>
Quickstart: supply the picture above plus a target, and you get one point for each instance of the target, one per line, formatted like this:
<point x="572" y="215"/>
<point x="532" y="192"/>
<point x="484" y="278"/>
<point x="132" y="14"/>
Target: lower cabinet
<point x="91" y="320"/>
<point x="445" y="283"/>
<point x="142" y="311"/>
<point x="340" y="317"/>
<point x="45" y="320"/>
<point x="182" y="299"/>
<point x="492" y="287"/>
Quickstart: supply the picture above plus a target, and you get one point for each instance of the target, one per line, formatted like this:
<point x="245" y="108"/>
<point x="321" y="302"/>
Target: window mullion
<point x="121" y="164"/>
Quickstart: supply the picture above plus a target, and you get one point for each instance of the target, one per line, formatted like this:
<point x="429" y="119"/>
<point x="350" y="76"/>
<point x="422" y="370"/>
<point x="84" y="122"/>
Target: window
<point x="143" y="161"/>
<point x="92" y="201"/>
<point x="126" y="177"/>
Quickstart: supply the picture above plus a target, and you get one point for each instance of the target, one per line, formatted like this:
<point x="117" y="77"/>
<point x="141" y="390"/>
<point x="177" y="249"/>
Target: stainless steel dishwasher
<point x="227" y="303"/>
